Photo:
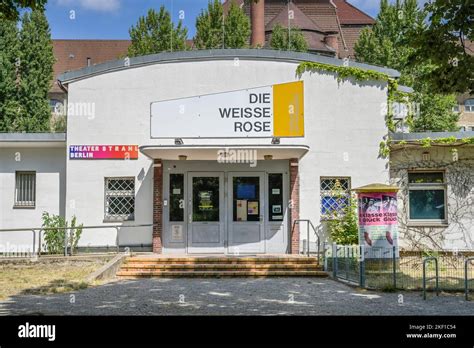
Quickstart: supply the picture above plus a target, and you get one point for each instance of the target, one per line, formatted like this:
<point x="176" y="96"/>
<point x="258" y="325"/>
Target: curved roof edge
<point x="219" y="54"/>
<point x="32" y="137"/>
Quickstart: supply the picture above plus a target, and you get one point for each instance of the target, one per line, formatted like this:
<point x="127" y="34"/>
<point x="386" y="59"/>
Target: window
<point x="246" y="198"/>
<point x="56" y="106"/>
<point x="176" y="197"/>
<point x="427" y="196"/>
<point x="469" y="105"/>
<point x="335" y="195"/>
<point x="456" y="108"/>
<point x="25" y="189"/>
<point x="119" y="199"/>
<point x="275" y="197"/>
<point x="462" y="129"/>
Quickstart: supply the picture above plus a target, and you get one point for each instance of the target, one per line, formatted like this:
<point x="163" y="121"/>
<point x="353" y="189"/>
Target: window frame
<point x="16" y="202"/>
<point x="424" y="187"/>
<point x="470" y="107"/>
<point x="326" y="217"/>
<point x="116" y="218"/>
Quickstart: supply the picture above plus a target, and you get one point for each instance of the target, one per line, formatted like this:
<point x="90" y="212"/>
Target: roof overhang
<point x="38" y="140"/>
<point x="440" y="139"/>
<point x="208" y="55"/>
<point x="214" y="152"/>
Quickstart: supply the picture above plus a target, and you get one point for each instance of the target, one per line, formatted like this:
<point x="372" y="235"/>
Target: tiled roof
<point x="349" y="14"/>
<point x="337" y="16"/>
<point x="299" y="20"/>
<point x="72" y="54"/>
<point x="351" y="34"/>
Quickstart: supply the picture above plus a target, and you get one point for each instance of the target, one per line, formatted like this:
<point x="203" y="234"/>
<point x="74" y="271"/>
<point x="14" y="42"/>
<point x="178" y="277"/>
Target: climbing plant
<point x="344" y="73"/>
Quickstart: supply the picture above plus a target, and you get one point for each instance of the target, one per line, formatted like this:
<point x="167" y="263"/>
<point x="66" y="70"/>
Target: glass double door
<point x="226" y="213"/>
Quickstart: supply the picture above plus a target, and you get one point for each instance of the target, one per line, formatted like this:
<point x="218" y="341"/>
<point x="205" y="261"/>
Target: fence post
<point x="325" y="260"/>
<point x="466" y="280"/>
<point x="346" y="257"/>
<point x="394" y="263"/>
<point x="117" y="239"/>
<point x="361" y="266"/>
<point x="34" y="243"/>
<point x="39" y="242"/>
<point x="307" y="236"/>
<point x="334" y="260"/>
<point x="65" y="242"/>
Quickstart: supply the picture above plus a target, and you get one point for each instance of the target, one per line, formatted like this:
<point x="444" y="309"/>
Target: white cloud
<point x="94" y="5"/>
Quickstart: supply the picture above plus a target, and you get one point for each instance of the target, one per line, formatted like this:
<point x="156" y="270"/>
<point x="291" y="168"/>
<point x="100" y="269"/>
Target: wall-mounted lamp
<point x="183" y="157"/>
<point x="268" y="157"/>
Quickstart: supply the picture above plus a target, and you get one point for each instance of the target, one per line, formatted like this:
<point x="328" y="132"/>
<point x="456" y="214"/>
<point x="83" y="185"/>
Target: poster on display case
<point x="378" y="226"/>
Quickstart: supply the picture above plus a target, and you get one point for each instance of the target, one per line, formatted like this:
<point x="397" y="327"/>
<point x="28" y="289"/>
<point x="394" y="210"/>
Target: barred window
<point x="119" y="199"/>
<point x="25" y="189"/>
<point x="335" y="195"/>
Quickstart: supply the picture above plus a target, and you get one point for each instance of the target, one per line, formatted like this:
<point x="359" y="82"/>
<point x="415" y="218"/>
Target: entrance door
<point x="206" y="213"/>
<point x="246" y="229"/>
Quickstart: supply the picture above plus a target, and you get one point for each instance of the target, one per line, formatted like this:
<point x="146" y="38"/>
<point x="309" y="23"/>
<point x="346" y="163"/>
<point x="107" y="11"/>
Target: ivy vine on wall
<point x="344" y="73"/>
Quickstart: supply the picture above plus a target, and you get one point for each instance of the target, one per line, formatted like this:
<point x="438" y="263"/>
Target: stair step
<point x="219" y="266"/>
<point x="154" y="273"/>
<point x="221" y="260"/>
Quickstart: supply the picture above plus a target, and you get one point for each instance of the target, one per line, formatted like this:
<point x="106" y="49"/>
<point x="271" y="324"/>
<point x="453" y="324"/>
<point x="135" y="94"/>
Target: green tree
<point x="155" y="33"/>
<point x="387" y="43"/>
<point x="216" y="30"/>
<point x="442" y="41"/>
<point x="237" y="28"/>
<point x="35" y="73"/>
<point x="279" y="40"/>
<point x="210" y="27"/>
<point x="9" y="58"/>
<point x="10" y="8"/>
<point x="343" y="225"/>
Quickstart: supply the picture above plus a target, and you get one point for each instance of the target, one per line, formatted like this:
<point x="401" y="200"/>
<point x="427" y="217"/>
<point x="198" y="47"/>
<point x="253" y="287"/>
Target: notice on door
<point x="270" y="111"/>
<point x="176" y="233"/>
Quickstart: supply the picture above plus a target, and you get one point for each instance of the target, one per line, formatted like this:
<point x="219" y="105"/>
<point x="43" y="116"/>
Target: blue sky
<point x="111" y="19"/>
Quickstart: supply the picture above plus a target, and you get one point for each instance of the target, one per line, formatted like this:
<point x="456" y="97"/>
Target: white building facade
<point x="142" y="148"/>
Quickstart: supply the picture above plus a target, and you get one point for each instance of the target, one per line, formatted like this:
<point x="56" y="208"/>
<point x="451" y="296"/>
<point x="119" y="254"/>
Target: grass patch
<point x="46" y="276"/>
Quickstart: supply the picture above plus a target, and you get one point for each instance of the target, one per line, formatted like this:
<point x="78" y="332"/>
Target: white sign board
<point x="242" y="113"/>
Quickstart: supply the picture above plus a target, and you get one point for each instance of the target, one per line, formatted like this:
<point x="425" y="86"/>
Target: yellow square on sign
<point x="288" y="109"/>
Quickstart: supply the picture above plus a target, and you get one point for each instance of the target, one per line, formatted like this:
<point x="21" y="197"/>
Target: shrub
<point x="343" y="225"/>
<point x="56" y="233"/>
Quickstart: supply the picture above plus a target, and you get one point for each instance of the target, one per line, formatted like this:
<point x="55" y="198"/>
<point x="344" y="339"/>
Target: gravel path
<point x="235" y="296"/>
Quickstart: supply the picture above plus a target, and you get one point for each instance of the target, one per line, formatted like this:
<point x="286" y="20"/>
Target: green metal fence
<point x="390" y="268"/>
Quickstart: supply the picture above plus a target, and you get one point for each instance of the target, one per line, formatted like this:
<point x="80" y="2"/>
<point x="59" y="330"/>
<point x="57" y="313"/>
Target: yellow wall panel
<point x="288" y="109"/>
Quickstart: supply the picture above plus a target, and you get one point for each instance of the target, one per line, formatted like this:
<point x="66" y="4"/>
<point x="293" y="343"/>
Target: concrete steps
<point x="225" y="266"/>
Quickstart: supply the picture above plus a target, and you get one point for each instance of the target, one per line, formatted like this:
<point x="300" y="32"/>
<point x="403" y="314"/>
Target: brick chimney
<point x="257" y="13"/>
<point x="331" y="41"/>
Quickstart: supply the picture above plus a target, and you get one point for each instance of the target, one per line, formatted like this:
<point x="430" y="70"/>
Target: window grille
<point x="25" y="189"/>
<point x="335" y="196"/>
<point x="119" y="198"/>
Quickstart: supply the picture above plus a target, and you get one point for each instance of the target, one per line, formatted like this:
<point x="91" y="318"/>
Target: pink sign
<point x="378" y="208"/>
<point x="378" y="225"/>
<point x="103" y="152"/>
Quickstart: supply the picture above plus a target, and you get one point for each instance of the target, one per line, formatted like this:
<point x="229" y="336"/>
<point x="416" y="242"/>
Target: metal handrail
<point x="466" y="280"/>
<point x="41" y="229"/>
<point x="424" y="275"/>
<point x="308" y="224"/>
